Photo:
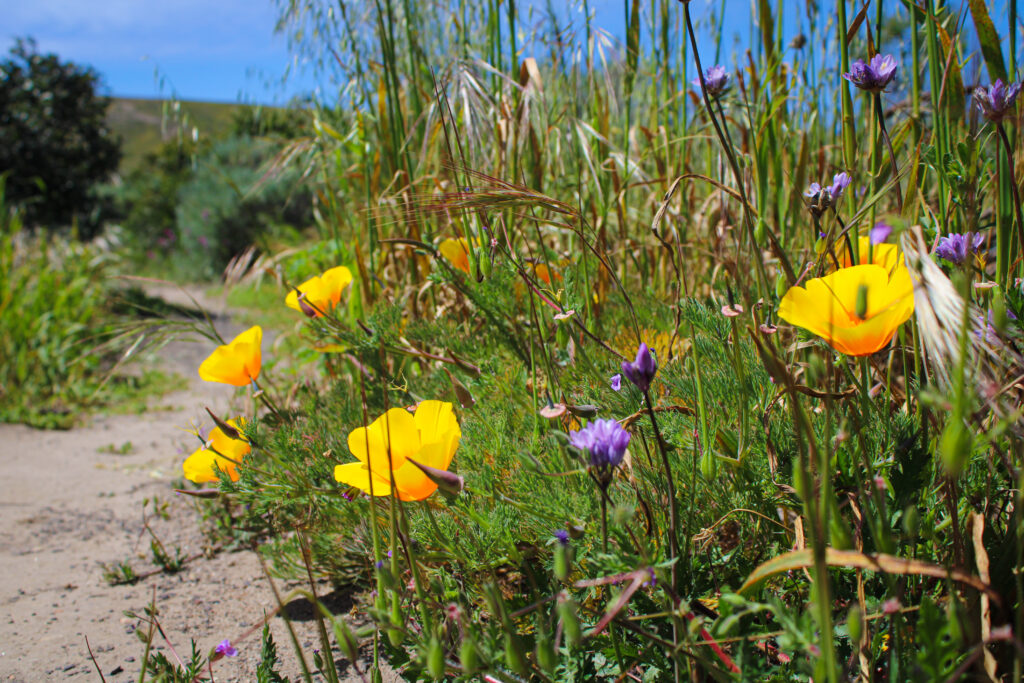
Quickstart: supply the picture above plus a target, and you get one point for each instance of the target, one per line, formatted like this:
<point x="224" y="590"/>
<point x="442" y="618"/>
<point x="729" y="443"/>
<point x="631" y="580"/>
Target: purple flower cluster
<point x="996" y="101"/>
<point x="605" y="441"/>
<point x="642" y="370"/>
<point x="716" y="80"/>
<point x="824" y="197"/>
<point x="956" y="248"/>
<point x="872" y="76"/>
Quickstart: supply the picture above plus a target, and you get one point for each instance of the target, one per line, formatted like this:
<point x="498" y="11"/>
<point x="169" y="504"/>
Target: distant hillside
<point x="144" y="124"/>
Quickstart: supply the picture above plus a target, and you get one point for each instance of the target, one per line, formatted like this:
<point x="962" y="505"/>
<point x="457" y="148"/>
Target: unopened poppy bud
<point x="563" y="556"/>
<point x="545" y="651"/>
<point x="395" y="635"/>
<point x="562" y="335"/>
<point x="227" y="429"/>
<point x="346" y="639"/>
<point x="911" y="522"/>
<point x="955" y="445"/>
<point x="468" y="656"/>
<point x="449" y="482"/>
<point x="485" y="263"/>
<point x="999" y="317"/>
<point x="570" y="619"/>
<point x="781" y="285"/>
<point x="759" y="229"/>
<point x="854" y="624"/>
<point x="435" y="659"/>
<point x="708" y="465"/>
<point x="514" y="658"/>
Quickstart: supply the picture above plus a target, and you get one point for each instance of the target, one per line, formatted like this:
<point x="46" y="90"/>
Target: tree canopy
<point x="55" y="145"/>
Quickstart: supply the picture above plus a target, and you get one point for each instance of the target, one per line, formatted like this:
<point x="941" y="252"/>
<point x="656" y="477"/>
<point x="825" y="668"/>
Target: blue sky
<point x="217" y="50"/>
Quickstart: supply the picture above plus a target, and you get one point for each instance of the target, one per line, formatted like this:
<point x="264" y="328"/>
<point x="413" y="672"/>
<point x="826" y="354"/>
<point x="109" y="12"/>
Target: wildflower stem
<point x="892" y="155"/>
<point x="673" y="511"/>
<point x="1013" y="184"/>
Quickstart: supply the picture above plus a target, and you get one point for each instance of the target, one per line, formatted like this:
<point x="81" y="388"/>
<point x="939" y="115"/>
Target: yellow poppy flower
<point x="829" y="307"/>
<point x="199" y="467"/>
<point x="237" y="363"/>
<point x="429" y="438"/>
<point x="886" y="255"/>
<point x="457" y="252"/>
<point x="322" y="292"/>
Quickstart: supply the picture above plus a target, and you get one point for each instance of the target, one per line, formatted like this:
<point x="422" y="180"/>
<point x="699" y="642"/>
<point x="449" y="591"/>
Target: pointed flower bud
<point x="642" y="370"/>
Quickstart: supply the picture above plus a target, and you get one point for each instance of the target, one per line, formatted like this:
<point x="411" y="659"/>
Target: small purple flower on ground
<point x="641" y="371"/>
<point x="996" y="101"/>
<point x="225" y="649"/>
<point x="872" y="76"/>
<point x="617" y="382"/>
<point x="955" y="248"/>
<point x="562" y="536"/>
<point x="716" y="80"/>
<point x="880" y="233"/>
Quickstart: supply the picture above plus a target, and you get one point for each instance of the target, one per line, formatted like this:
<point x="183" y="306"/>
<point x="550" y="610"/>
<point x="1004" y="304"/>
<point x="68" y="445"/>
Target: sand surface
<point x="69" y="506"/>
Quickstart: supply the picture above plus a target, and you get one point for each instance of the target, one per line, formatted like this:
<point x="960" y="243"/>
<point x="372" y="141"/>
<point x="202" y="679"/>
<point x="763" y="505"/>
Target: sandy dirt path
<point x="68" y="506"/>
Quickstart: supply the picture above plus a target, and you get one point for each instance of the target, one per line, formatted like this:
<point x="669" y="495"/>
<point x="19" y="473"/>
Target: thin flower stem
<point x="1013" y="184"/>
<point x="892" y="155"/>
<point x="673" y="508"/>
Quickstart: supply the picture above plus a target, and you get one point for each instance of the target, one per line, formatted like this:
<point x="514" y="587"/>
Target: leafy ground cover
<point x="619" y="363"/>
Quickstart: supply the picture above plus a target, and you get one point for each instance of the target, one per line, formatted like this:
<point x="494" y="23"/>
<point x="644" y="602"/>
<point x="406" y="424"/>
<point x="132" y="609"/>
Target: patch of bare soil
<point x="71" y="503"/>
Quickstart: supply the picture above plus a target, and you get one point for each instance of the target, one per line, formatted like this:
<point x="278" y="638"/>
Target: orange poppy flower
<point x="220" y="450"/>
<point x="856" y="310"/>
<point x="321" y="292"/>
<point x="426" y="440"/>
<point x="237" y="363"/>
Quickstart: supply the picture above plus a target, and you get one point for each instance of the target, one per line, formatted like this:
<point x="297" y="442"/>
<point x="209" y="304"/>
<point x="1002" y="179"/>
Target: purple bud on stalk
<point x="996" y="101"/>
<point x="616" y="382"/>
<point x="716" y="80"/>
<point x="642" y="370"/>
<point x="872" y="76"/>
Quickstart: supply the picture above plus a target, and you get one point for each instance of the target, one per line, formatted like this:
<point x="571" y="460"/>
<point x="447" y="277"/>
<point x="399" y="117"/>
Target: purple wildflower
<point x="562" y="536"/>
<point x="716" y="80"/>
<point x="641" y="371"/>
<point x="605" y="442"/>
<point x="224" y="649"/>
<point x="872" y="76"/>
<point x="824" y="197"/>
<point x="880" y="233"/>
<point x="996" y="101"/>
<point x="616" y="382"/>
<point x="955" y="248"/>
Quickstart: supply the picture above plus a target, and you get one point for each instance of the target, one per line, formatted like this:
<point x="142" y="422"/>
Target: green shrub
<point x="231" y="202"/>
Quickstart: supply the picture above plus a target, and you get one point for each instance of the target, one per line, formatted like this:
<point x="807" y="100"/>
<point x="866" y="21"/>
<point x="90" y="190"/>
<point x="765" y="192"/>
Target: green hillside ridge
<point x="144" y="124"/>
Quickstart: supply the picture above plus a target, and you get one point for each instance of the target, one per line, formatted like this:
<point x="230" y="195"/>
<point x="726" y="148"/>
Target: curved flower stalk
<point x="221" y="452"/>
<point x="856" y="310"/>
<point x="237" y="363"/>
<point x="321" y="293"/>
<point x="421" y="449"/>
